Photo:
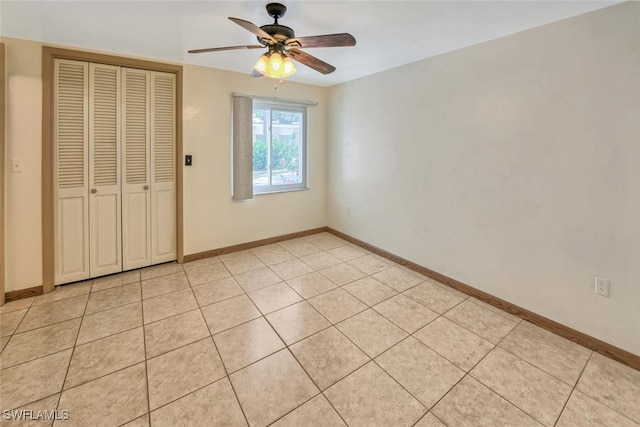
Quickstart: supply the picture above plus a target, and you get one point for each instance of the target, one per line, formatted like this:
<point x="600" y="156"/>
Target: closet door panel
<point x="134" y="214"/>
<point x="71" y="212"/>
<point x="164" y="222"/>
<point x="104" y="170"/>
<point x="72" y="247"/>
<point x="105" y="245"/>
<point x="163" y="143"/>
<point x="136" y="200"/>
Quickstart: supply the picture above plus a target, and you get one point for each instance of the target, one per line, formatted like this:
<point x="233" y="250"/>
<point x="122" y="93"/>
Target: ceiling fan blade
<point x="254" y="29"/>
<point x="327" y="40"/>
<point x="255" y="73"/>
<point x="310" y="61"/>
<point x="218" y="49"/>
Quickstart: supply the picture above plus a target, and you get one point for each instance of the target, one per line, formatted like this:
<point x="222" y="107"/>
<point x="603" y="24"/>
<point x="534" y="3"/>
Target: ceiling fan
<point x="283" y="46"/>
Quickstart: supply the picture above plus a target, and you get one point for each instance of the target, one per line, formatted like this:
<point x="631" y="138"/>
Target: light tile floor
<point x="308" y="332"/>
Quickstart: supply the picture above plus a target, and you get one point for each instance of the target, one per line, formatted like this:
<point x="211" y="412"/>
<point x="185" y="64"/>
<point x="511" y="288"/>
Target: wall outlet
<point x="602" y="286"/>
<point x="348" y="210"/>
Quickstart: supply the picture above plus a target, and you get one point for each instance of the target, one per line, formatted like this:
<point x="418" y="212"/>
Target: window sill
<point x="289" y="190"/>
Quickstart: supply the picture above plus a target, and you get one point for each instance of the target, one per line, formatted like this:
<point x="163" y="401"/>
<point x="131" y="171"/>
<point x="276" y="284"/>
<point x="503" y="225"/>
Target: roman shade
<point x="242" y="148"/>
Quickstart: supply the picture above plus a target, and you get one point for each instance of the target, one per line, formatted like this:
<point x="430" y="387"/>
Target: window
<point x="279" y="147"/>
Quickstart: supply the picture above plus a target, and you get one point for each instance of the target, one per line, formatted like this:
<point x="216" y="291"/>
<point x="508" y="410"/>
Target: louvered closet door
<point x="163" y="138"/>
<point x="104" y="170"/>
<point x="136" y="200"/>
<point x="71" y="216"/>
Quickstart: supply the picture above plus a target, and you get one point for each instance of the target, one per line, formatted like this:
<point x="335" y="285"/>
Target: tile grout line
<point x="42" y="326"/>
<point x="64" y="381"/>
<point x="116" y="333"/>
<point x="432" y="414"/>
<point x="44" y="355"/>
<point x="61" y="289"/>
<point x="177" y="348"/>
<point x="146" y="360"/>
<point x="215" y="346"/>
<point x="475" y="333"/>
<point x="501" y="395"/>
<point x="575" y="389"/>
<point x="97" y="292"/>
<point x="493" y="309"/>
<point x="583" y="369"/>
<point x="321" y="392"/>
<point x="57" y="392"/>
<point x="77" y="335"/>
<point x="39" y="327"/>
<point x="4" y="307"/>
<point x="366" y="303"/>
<point x="371" y="307"/>
<point x="401" y="327"/>
<point x="91" y="380"/>
<point x="540" y="368"/>
<point x="294" y="409"/>
<point x="396" y="380"/>
<point x="186" y="395"/>
<point x="287" y="346"/>
<point x="445" y="358"/>
<point x="226" y="376"/>
<point x="468" y="373"/>
<point x="563" y="407"/>
<point x="119" y="303"/>
<point x="442" y="315"/>
<point x="308" y="336"/>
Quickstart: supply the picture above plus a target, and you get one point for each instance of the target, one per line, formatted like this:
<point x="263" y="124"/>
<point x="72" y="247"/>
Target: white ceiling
<point x="388" y="33"/>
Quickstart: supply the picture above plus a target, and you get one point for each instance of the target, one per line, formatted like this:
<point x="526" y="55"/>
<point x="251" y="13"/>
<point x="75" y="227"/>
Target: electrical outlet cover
<point x="602" y="286"/>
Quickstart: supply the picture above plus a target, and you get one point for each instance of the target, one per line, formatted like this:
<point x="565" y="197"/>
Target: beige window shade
<point x="242" y="148"/>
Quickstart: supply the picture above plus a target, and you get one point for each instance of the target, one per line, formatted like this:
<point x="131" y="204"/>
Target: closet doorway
<point x="126" y="119"/>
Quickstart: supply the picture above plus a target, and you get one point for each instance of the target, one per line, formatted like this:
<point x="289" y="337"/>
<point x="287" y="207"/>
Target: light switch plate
<point x="16" y="165"/>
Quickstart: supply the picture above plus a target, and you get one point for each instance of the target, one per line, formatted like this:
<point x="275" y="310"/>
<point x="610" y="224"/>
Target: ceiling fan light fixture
<point x="287" y="67"/>
<point x="275" y="65"/>
<point x="263" y="64"/>
<point x="276" y="68"/>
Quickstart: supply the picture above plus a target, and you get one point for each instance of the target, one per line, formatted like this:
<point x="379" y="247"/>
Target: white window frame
<point x="283" y="106"/>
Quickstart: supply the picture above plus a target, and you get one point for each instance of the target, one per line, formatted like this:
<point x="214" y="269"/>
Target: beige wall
<point x="513" y="166"/>
<point x="211" y="219"/>
<point x="23" y="220"/>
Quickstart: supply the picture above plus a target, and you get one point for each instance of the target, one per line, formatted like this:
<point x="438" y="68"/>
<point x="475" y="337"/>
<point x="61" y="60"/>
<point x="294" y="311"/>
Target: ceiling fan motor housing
<point x="278" y="32"/>
<point x="275" y="30"/>
<point x="276" y="10"/>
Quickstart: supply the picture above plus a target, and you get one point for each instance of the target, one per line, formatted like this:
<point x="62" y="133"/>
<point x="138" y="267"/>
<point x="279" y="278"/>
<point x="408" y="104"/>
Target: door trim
<point x="49" y="55"/>
<point x="2" y="162"/>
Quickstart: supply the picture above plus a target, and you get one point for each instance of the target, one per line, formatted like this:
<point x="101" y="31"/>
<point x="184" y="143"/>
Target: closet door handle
<point x="146" y="187"/>
<point x="94" y="191"/>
